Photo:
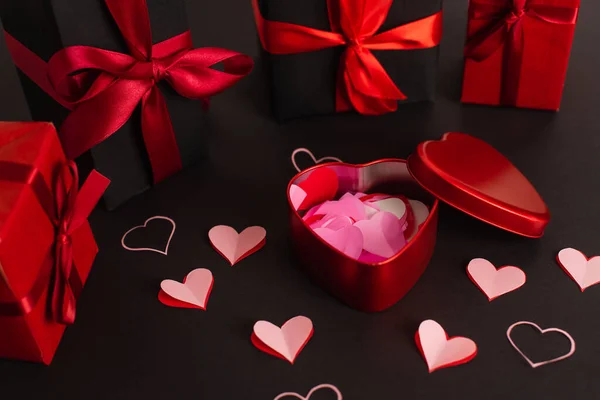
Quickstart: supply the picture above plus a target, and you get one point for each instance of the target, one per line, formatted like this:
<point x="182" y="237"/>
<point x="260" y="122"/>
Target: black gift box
<point x="305" y="84"/>
<point x="46" y="26"/>
<point x="13" y="106"/>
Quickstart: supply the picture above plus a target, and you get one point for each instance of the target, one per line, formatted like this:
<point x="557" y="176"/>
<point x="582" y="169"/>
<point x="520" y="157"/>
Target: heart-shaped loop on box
<point x="163" y="251"/>
<point x="312" y="391"/>
<point x="542" y="331"/>
<point x="312" y="156"/>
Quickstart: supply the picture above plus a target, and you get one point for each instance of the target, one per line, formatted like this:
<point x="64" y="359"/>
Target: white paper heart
<point x="166" y="248"/>
<point x="585" y="272"/>
<point x="542" y="331"/>
<point x="312" y="391"/>
<point x="311" y="155"/>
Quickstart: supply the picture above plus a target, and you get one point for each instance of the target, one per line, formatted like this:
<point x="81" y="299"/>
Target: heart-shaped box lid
<point x="470" y="175"/>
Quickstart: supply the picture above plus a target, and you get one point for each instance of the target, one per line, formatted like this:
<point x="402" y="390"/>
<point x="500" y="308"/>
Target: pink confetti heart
<point x="333" y="222"/>
<point x="348" y="240"/>
<point x="348" y="206"/>
<point x="312" y="391"/>
<point x="285" y="342"/>
<point x="440" y="351"/>
<point x="392" y="205"/>
<point x="192" y="293"/>
<point x="382" y="234"/>
<point x="495" y="282"/>
<point x="297" y="196"/>
<point x="542" y="331"/>
<point x="585" y="272"/>
<point x="233" y="246"/>
<point x="160" y="251"/>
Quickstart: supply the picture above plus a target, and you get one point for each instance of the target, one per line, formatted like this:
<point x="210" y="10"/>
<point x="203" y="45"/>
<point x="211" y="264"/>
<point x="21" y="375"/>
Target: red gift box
<point x="46" y="244"/>
<point x="517" y="52"/>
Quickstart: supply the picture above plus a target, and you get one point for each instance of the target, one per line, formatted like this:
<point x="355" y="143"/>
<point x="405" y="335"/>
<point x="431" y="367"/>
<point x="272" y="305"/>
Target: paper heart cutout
<point x="297" y="196"/>
<point x="392" y="205"/>
<point x="420" y="214"/>
<point x="192" y="293"/>
<point x="382" y="234"/>
<point x="348" y="240"/>
<point x="285" y="342"/>
<point x="320" y="185"/>
<point x="484" y="184"/>
<point x="584" y="271"/>
<point x="495" y="282"/>
<point x="312" y="156"/>
<point x="163" y="252"/>
<point x="348" y="206"/>
<point x="542" y="331"/>
<point x="441" y="351"/>
<point x="312" y="391"/>
<point x="234" y="246"/>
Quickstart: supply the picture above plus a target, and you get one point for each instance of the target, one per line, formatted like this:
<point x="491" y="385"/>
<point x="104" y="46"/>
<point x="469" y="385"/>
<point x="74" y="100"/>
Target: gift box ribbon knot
<point x="103" y="88"/>
<point x="67" y="209"/>
<point x="363" y="83"/>
<point x="504" y="26"/>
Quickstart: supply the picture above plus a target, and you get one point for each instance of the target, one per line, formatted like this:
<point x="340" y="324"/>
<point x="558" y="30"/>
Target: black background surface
<point x="126" y="345"/>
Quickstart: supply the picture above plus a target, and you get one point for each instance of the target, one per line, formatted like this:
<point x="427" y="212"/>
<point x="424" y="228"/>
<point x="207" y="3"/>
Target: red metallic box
<point x="517" y="52"/>
<point x="460" y="170"/>
<point x="46" y="244"/>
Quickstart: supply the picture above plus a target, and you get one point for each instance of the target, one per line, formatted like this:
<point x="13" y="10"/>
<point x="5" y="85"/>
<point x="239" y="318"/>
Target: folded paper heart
<point x="585" y="272"/>
<point x="440" y="351"/>
<point x="348" y="240"/>
<point x="297" y="195"/>
<point x="192" y="293"/>
<point x="162" y="251"/>
<point x="285" y="342"/>
<point x="320" y="185"/>
<point x="542" y="331"/>
<point x="495" y="282"/>
<point x="312" y="391"/>
<point x="233" y="246"/>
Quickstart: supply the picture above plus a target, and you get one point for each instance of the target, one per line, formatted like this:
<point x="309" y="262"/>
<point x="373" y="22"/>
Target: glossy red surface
<point x="472" y="176"/>
<point x="367" y="287"/>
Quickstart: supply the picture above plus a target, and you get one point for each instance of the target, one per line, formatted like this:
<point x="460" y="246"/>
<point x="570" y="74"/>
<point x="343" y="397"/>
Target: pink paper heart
<point x="495" y="282"/>
<point x="297" y="196"/>
<point x="382" y="234"/>
<point x="348" y="206"/>
<point x="312" y="391"/>
<point x="440" y="351"/>
<point x="286" y="342"/>
<point x="348" y="240"/>
<point x="392" y="205"/>
<point x="333" y="222"/>
<point x="168" y="242"/>
<point x="235" y="247"/>
<point x="542" y="331"/>
<point x="585" y="272"/>
<point x="194" y="291"/>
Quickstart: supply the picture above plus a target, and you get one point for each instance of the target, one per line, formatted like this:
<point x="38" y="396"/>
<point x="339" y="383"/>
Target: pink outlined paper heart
<point x="495" y="282"/>
<point x="584" y="271"/>
<point x="312" y="391"/>
<point x="159" y="251"/>
<point x="312" y="156"/>
<point x="285" y="342"/>
<point x="542" y="331"/>
<point x="192" y="293"/>
<point x="234" y="246"/>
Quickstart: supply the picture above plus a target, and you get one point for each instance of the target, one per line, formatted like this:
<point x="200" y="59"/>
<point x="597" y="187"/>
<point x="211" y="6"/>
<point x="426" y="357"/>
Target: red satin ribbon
<point x="103" y="88"/>
<point x="505" y="27"/>
<point x="363" y="83"/>
<point x="67" y="209"/>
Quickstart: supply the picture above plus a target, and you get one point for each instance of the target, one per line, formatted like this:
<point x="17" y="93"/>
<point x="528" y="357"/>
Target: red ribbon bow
<point x="505" y="27"/>
<point x="363" y="83"/>
<point x="104" y="87"/>
<point x="68" y="208"/>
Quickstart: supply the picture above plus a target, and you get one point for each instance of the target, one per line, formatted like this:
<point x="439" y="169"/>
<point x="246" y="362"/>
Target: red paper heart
<point x="472" y="176"/>
<point x="321" y="185"/>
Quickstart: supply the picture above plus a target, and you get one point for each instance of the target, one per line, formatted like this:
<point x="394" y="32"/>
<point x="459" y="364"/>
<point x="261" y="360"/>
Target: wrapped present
<point x="329" y="56"/>
<point x="12" y="100"/>
<point x="517" y="52"/>
<point x="46" y="244"/>
<point x="128" y="79"/>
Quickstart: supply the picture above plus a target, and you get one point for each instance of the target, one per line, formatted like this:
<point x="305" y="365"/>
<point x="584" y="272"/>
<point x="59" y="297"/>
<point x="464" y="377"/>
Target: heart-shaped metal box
<point x="459" y="169"/>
